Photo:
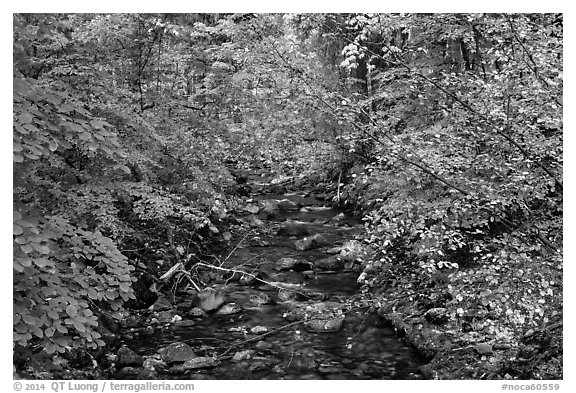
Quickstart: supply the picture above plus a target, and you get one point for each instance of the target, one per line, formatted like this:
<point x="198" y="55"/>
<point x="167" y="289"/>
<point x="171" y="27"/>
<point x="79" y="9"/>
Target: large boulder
<point x="177" y="352"/>
<point x="293" y="229"/>
<point x="311" y="242"/>
<point x="209" y="299"/>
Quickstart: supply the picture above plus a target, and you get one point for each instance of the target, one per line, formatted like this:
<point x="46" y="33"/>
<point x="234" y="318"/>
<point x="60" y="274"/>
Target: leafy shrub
<point x="62" y="273"/>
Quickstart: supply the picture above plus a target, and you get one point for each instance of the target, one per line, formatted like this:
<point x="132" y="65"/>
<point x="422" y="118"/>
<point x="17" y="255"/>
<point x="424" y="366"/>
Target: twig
<point x="339" y="182"/>
<point x="274" y="284"/>
<point x="533" y="67"/>
<point x="235" y="247"/>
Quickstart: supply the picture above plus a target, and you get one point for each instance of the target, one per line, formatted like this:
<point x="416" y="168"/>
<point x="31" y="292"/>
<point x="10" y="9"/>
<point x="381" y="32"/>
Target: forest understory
<point x="288" y="196"/>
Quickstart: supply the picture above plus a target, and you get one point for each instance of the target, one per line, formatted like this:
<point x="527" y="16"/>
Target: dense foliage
<point x="444" y="130"/>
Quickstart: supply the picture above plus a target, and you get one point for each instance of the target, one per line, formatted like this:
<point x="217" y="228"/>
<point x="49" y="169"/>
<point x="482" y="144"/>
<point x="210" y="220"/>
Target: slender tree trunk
<point x="369" y="88"/>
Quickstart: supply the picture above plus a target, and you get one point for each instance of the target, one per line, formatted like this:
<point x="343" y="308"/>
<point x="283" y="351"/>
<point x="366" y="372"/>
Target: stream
<point x="259" y="336"/>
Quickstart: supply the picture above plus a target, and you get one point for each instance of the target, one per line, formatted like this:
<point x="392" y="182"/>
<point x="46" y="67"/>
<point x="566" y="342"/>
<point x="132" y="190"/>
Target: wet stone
<point x="333" y="250"/>
<point x="293" y="229"/>
<point x="287" y="294"/>
<point x="259" y="366"/>
<point x="293" y="264"/>
<point x="287" y="205"/>
<point x="185" y="323"/>
<point x="328" y="369"/>
<point x="166" y="316"/>
<point x="259" y="330"/>
<point x="302" y="363"/>
<point x="162" y="304"/>
<point x="319" y="296"/>
<point x="129" y="372"/>
<point x="255" y="222"/>
<point x="229" y="309"/>
<point x="243" y="355"/>
<point x="312" y="242"/>
<point x="127" y="357"/>
<point x="147" y="374"/>
<point x="200" y="362"/>
<point x="196" y="312"/>
<point x="263" y="345"/>
<point x="256" y="241"/>
<point x="156" y="364"/>
<point x="260" y="299"/>
<point x="248" y="280"/>
<point x="338" y="219"/>
<point x="177" y="352"/>
<point x="131" y="321"/>
<point x="209" y="299"/>
<point x="328" y="325"/>
<point x="277" y="369"/>
<point x="330" y="263"/>
<point x="252" y="209"/>
<point x="269" y="209"/>
<point x="295" y="315"/>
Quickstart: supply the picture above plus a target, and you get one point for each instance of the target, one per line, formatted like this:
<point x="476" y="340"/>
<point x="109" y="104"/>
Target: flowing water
<point x="364" y="348"/>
